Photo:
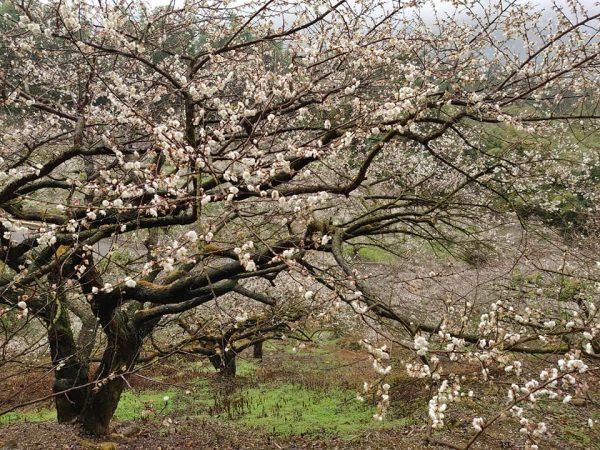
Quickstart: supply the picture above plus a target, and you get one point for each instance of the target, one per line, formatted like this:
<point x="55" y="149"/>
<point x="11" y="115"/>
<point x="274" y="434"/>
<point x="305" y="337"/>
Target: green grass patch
<point x="289" y="409"/>
<point x="245" y="367"/>
<point x="133" y="403"/>
<point x="370" y="253"/>
<point x="376" y="255"/>
<point x="38" y="415"/>
<point x="130" y="407"/>
<point x="582" y="436"/>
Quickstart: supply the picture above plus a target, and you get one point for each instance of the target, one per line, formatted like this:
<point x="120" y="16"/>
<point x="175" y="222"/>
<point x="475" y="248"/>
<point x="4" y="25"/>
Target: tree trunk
<point x="224" y="363"/>
<point x="229" y="366"/>
<point x="87" y="338"/>
<point x="71" y="373"/>
<point x="258" y="350"/>
<point x="101" y="407"/>
<point x="124" y="343"/>
<point x="89" y="326"/>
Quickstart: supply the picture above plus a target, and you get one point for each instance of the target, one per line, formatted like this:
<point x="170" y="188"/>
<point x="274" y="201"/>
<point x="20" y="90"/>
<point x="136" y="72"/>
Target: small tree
<point x="222" y="333"/>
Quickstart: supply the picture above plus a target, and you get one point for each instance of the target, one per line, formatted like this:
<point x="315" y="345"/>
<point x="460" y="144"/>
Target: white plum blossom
<point x="421" y="345"/>
<point x="477" y="423"/>
<point x="191" y="236"/>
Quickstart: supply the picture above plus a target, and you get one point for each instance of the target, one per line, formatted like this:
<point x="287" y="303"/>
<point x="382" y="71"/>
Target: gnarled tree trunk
<point x="224" y="363"/>
<point x="71" y="368"/>
<point x="124" y="343"/>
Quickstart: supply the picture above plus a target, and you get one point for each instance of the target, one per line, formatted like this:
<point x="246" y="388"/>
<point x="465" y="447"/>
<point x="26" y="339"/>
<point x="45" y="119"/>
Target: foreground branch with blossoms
<point x="155" y="161"/>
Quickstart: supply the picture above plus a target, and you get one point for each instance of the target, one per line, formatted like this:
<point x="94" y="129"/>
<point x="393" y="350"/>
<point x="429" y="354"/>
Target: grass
<point x="317" y="404"/>
<point x="38" y="415"/>
<point x="289" y="409"/>
<point x="581" y="436"/>
<point x="130" y="407"/>
<point x="371" y="253"/>
<point x="133" y="403"/>
<point x="245" y="368"/>
<point x="283" y="409"/>
<point x="376" y="255"/>
<point x="575" y="429"/>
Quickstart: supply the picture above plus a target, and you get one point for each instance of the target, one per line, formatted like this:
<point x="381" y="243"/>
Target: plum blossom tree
<point x="220" y="332"/>
<point x="156" y="159"/>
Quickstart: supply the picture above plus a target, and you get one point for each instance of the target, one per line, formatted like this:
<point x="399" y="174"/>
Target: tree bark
<point x="71" y="372"/>
<point x="89" y="326"/>
<point x="224" y="363"/>
<point x="258" y="350"/>
<point x="124" y="343"/>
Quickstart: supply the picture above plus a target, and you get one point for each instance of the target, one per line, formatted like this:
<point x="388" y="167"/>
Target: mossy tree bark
<point x="71" y="368"/>
<point x="71" y="373"/>
<point x="120" y="355"/>
<point x="224" y="363"/>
